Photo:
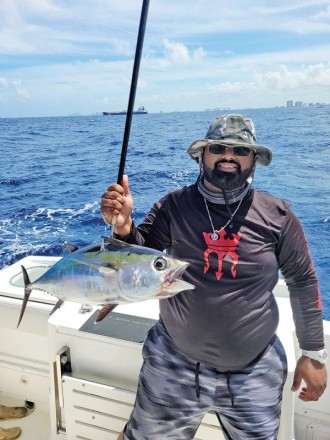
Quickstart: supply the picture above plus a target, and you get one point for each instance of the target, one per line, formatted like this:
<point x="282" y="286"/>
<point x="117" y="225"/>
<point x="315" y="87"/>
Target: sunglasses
<point x="221" y="149"/>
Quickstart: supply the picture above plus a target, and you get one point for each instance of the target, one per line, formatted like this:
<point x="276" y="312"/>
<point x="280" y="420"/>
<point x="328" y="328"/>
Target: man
<point x="215" y="348"/>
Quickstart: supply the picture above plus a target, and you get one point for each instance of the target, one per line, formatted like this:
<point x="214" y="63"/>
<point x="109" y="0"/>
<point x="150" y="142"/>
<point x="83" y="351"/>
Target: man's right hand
<point x="117" y="204"/>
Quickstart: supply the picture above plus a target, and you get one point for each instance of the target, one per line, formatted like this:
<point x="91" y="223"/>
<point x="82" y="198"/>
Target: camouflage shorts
<point x="246" y="402"/>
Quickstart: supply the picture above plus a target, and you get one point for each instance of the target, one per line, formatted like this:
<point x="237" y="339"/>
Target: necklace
<point x="216" y="232"/>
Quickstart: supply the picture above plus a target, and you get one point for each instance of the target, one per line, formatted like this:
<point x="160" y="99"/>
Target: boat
<point x="81" y="378"/>
<point x="140" y="111"/>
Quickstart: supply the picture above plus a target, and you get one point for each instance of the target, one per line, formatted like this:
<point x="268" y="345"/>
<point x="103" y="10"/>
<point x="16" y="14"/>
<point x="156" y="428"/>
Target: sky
<point x="63" y="57"/>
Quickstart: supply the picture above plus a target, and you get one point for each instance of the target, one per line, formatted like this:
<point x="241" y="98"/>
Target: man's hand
<point x="117" y="201"/>
<point x="314" y="374"/>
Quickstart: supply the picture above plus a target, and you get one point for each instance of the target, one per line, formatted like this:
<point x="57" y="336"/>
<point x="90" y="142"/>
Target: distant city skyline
<point x="291" y="103"/>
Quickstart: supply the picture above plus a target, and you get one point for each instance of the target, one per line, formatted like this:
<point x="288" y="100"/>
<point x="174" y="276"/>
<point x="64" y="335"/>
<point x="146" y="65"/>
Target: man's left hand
<point x="314" y="374"/>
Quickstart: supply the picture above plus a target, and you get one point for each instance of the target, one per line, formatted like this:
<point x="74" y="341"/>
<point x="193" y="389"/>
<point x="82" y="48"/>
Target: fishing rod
<point x="131" y="100"/>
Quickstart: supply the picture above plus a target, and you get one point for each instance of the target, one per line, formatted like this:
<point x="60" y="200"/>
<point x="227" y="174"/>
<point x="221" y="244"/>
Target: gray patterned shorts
<point x="174" y="393"/>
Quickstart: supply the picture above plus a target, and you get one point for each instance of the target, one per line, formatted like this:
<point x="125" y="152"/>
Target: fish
<point x="109" y="273"/>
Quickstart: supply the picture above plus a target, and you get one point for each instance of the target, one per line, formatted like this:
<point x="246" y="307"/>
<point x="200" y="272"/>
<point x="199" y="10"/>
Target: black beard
<point x="226" y="181"/>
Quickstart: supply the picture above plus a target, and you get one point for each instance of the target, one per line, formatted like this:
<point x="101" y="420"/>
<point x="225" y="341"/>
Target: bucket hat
<point x="232" y="130"/>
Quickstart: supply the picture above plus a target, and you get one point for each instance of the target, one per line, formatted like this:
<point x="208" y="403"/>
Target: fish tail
<point x="27" y="291"/>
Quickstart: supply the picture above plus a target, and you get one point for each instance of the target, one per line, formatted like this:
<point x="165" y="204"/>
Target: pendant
<point x="215" y="235"/>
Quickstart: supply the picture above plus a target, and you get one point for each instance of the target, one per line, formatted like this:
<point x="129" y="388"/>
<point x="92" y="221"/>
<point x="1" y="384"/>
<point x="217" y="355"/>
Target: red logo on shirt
<point x="221" y="247"/>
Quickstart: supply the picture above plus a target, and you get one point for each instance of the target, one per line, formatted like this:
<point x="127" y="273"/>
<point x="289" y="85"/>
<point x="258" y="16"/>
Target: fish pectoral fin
<point x="102" y="267"/>
<point x="107" y="270"/>
<point x="57" y="306"/>
<point x="104" y="312"/>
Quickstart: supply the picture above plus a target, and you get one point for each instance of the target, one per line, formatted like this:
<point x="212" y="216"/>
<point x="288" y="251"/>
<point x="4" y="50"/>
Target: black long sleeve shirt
<point x="232" y="314"/>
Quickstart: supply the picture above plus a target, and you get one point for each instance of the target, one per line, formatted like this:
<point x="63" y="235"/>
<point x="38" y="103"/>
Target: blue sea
<point x="54" y="171"/>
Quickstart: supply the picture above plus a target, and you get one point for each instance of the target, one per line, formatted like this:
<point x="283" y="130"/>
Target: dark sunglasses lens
<point x="221" y="149"/>
<point x="241" y="151"/>
<point x="217" y="149"/>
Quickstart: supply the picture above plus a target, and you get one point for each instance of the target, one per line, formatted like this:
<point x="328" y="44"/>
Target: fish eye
<point x="160" y="264"/>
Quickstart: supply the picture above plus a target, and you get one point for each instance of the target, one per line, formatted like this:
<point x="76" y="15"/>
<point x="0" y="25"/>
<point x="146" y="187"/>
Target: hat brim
<point x="264" y="154"/>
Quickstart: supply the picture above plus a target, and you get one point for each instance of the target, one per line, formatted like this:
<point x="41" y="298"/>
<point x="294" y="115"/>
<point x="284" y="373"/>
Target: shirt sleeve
<point x="299" y="273"/>
<point x="154" y="230"/>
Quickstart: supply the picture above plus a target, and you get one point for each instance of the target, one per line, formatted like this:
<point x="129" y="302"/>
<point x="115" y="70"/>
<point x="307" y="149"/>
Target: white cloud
<point x="285" y="79"/>
<point x="79" y="55"/>
<point x="324" y="14"/>
<point x="3" y="82"/>
<point x="21" y="92"/>
<point x="178" y="53"/>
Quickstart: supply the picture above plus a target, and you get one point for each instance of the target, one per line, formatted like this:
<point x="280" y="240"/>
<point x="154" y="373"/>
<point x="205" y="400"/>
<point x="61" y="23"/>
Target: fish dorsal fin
<point x="105" y="311"/>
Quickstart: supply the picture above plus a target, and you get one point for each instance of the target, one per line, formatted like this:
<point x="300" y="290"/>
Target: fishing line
<point x="90" y="20"/>
<point x="83" y="19"/>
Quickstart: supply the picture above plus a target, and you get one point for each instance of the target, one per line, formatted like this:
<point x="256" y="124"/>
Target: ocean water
<point x="54" y="171"/>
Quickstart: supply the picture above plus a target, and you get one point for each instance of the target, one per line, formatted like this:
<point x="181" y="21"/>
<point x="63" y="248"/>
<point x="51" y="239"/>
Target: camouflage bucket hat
<point x="231" y="130"/>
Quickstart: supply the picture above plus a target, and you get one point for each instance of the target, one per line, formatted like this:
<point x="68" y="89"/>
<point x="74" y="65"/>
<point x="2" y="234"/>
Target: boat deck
<point x="35" y="426"/>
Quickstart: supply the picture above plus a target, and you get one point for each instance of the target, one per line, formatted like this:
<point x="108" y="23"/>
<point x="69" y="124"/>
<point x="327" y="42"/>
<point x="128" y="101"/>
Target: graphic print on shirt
<point x="224" y="245"/>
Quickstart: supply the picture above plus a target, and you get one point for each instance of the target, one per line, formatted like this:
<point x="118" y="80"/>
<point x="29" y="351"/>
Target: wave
<point x="43" y="231"/>
<point x="59" y="213"/>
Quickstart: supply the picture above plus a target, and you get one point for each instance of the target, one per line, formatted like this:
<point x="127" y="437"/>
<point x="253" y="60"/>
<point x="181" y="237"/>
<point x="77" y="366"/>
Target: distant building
<point x="292" y="103"/>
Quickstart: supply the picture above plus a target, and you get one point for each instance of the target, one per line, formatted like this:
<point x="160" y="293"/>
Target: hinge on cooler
<point x="62" y="366"/>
